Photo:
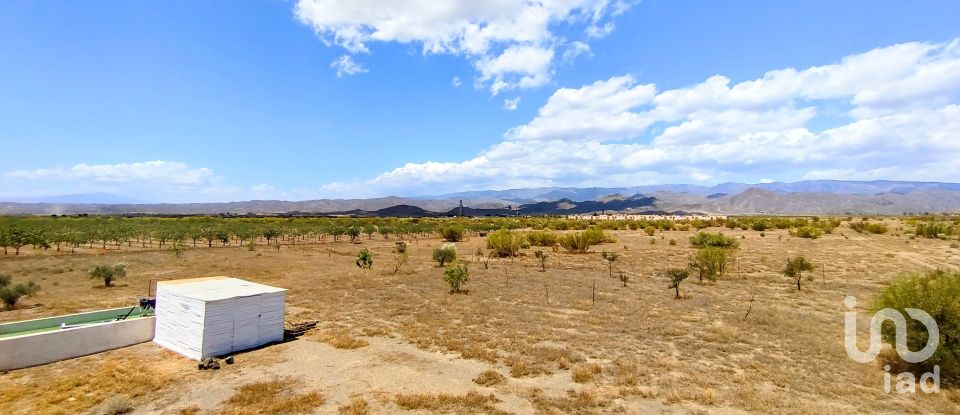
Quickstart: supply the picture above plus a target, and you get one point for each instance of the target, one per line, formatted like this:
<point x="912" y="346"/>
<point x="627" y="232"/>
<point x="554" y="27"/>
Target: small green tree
<point x="796" y="267"/>
<point x="650" y="230"/>
<point x="611" y="258"/>
<point x="369" y="230"/>
<point x="446" y="253"/>
<point x="624" y="278"/>
<point x="365" y="259"/>
<point x="505" y="243"/>
<point x="108" y="273"/>
<point x="676" y="276"/>
<point x="542" y="258"/>
<point x="10" y="295"/>
<point x="456" y="275"/>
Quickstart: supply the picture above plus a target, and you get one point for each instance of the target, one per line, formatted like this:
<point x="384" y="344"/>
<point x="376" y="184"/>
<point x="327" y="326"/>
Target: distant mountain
<point x="591" y="193"/>
<point x="101" y="198"/>
<point x="806" y="197"/>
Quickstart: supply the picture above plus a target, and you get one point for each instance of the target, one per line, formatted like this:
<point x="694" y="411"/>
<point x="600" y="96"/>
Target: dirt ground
<point x="748" y="343"/>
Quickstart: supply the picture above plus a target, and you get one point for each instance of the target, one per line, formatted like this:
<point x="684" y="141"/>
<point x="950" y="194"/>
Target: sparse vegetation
<point x="709" y="262"/>
<point x="869" y="227"/>
<point x="580" y="242"/>
<point x="809" y="232"/>
<point x="271" y="397"/>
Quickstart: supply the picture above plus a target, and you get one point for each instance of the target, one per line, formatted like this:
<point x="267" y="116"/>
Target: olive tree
<point x="108" y="273"/>
<point x="11" y="294"/>
<point x="676" y="276"/>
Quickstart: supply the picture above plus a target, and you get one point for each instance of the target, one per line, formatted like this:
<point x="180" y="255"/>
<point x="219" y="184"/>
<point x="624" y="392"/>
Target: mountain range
<point x="804" y="197"/>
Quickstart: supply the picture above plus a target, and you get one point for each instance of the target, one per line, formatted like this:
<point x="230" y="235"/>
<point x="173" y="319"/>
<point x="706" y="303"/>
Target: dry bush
<point x="357" y="406"/>
<point x="116" y="405"/>
<point x="520" y="367"/>
<point x="584" y="373"/>
<point x="190" y="410"/>
<point x="489" y="378"/>
<point x="470" y="403"/>
<point x="277" y="396"/>
<point x="582" y="402"/>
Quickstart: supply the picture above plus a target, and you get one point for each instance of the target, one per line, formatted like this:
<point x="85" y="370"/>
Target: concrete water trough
<point x="45" y="340"/>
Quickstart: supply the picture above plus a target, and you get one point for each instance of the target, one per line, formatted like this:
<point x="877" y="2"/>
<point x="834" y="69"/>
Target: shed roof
<point x="216" y="288"/>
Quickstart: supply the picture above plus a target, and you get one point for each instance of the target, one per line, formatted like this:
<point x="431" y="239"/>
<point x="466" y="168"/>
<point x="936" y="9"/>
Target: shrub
<point x="719" y="240"/>
<point x="673" y="242"/>
<point x="400" y="247"/>
<point x="504" y="243"/>
<point x="353" y="232"/>
<point x="365" y="259"/>
<point x="542" y="238"/>
<point x="935" y="292"/>
<point x="809" y="232"/>
<point x="489" y="378"/>
<point x="452" y="233"/>
<point x="456" y="275"/>
<point x="580" y="242"/>
<point x="869" y="227"/>
<point x="445" y="253"/>
<point x="759" y="226"/>
<point x="796" y="267"/>
<point x="676" y="276"/>
<point x="108" y="273"/>
<point x="650" y="230"/>
<point x="710" y="263"/>
<point x="10" y="295"/>
<point x="933" y="230"/>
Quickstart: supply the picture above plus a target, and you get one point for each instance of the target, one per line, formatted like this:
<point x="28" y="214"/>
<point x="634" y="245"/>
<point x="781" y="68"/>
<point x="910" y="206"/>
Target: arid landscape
<point x="573" y="338"/>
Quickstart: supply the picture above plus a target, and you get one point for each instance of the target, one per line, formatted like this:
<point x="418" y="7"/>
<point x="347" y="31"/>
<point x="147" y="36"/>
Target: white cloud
<point x="575" y="50"/>
<point x="345" y="65"/>
<point x="900" y="120"/>
<point x="482" y="31"/>
<point x="456" y="82"/>
<point x="595" y="31"/>
<point x="145" y="180"/>
<point x="511" y="104"/>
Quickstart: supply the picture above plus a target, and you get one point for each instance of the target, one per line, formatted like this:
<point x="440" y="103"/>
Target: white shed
<point x="207" y="317"/>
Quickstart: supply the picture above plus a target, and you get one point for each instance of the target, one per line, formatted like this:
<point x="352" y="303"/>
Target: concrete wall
<point x="78" y="318"/>
<point x="41" y="348"/>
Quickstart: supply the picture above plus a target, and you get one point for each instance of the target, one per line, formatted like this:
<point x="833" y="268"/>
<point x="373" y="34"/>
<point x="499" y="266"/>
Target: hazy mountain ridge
<point x="807" y="197"/>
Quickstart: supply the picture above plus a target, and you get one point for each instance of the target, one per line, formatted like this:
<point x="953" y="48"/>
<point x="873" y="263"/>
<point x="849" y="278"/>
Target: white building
<point x="215" y="316"/>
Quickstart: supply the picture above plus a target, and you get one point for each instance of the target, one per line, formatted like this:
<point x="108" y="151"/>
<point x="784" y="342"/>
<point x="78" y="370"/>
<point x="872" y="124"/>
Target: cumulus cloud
<point x="345" y="65"/>
<point x="510" y="42"/>
<point x="901" y="120"/>
<point x="456" y="82"/>
<point x="576" y="49"/>
<point x="146" y="180"/>
<point x="511" y="104"/>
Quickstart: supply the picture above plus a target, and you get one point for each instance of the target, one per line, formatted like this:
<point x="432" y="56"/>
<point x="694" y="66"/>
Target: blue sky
<point x="214" y="101"/>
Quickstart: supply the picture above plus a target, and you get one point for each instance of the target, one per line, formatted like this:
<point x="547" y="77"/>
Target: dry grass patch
<point x="341" y="339"/>
<point x="472" y="402"/>
<point x="489" y="378"/>
<point x="585" y="373"/>
<point x="277" y="396"/>
<point x="190" y="410"/>
<point x="69" y="393"/>
<point x="519" y="367"/>
<point x="357" y="406"/>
